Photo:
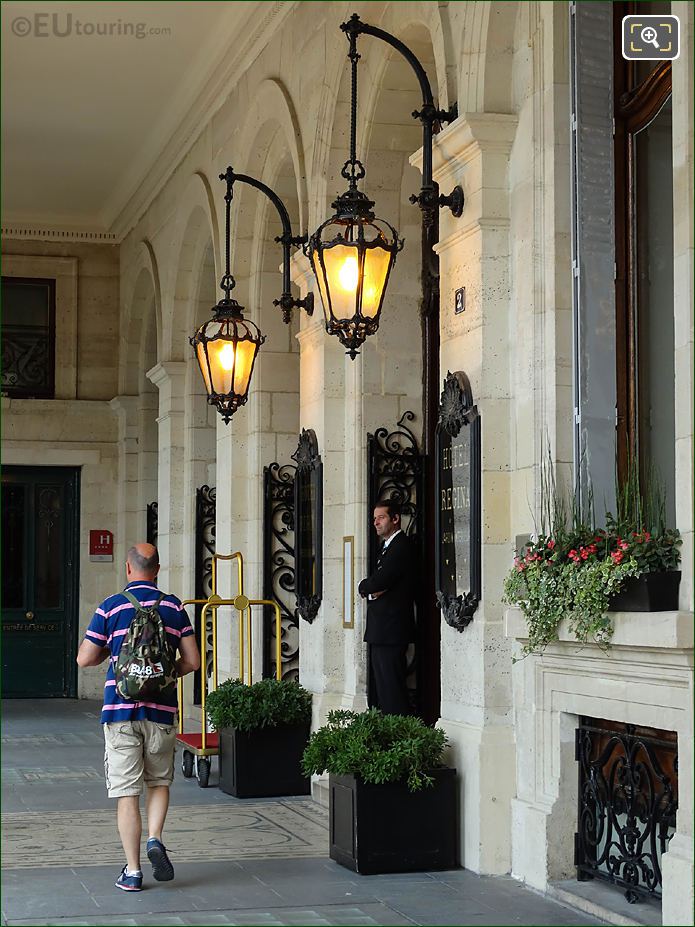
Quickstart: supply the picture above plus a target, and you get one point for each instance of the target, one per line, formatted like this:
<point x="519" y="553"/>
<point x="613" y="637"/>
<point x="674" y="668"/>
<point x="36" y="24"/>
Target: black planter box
<point x="386" y="828"/>
<point x="650" y="592"/>
<point x="264" y="762"/>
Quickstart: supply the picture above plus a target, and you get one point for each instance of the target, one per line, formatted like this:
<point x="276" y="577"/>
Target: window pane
<point x="13" y="560"/>
<point x="28" y="313"/>
<point x="654" y="294"/>
<point x="49" y="546"/>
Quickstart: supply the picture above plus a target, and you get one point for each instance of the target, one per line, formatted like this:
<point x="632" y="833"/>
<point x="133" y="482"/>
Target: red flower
<point x="584" y="553"/>
<point x="551" y="544"/>
<point x="623" y="545"/>
<point x="617" y="556"/>
<point x="647" y="536"/>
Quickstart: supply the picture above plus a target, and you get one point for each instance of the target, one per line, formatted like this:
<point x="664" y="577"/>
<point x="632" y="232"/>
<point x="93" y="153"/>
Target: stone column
<point x="476" y="706"/>
<point x="169" y="378"/>
<point x="322" y="392"/>
<point x="127" y="508"/>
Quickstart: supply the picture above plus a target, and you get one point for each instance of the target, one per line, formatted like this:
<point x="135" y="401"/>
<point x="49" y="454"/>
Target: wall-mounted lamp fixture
<point x="352" y="253"/>
<point x="226" y="345"/>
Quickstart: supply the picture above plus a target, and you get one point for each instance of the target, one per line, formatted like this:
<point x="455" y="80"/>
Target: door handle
<point x="29" y="616"/>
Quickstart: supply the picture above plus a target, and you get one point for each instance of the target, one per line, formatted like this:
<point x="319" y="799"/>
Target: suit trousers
<point x="388" y="666"/>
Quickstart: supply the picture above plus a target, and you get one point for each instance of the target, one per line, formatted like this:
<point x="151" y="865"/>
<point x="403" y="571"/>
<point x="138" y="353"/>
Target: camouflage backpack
<point x="146" y="664"/>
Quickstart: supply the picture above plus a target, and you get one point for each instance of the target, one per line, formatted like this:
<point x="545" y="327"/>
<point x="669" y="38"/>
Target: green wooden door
<point x="39" y="581"/>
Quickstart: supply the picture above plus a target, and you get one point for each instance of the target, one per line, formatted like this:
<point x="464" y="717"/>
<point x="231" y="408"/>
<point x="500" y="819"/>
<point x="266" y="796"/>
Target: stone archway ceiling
<point x="89" y="117"/>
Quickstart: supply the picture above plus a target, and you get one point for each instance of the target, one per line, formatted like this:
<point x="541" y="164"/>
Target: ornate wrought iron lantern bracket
<point x="428" y="199"/>
<point x="287" y="301"/>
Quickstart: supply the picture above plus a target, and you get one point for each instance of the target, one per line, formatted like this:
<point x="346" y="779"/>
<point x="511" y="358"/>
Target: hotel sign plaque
<point x="457" y="511"/>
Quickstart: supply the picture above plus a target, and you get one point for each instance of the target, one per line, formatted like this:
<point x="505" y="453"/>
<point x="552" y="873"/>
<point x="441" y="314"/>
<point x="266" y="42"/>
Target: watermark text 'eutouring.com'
<point x="63" y="25"/>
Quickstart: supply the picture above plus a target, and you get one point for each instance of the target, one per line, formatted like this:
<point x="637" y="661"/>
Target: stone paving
<point x="260" y="862"/>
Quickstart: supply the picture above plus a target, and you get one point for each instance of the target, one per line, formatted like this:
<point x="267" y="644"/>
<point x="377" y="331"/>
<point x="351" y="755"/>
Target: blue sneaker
<point x="129" y="883"/>
<point x="162" y="870"/>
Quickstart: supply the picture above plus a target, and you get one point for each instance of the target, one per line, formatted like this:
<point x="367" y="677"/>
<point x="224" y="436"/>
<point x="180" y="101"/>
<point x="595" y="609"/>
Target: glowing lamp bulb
<point x="226" y="357"/>
<point x="348" y="274"/>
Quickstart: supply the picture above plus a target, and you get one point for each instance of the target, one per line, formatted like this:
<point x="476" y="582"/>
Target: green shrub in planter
<point x="268" y="703"/>
<point x="263" y="730"/>
<point x="376" y="747"/>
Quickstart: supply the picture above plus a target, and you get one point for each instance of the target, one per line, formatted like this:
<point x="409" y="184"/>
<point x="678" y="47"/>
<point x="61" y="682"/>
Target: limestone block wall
<point x="87" y="302"/>
<point x="63" y="433"/>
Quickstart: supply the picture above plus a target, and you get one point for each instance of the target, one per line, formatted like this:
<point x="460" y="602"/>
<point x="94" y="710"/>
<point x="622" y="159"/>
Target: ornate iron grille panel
<point x="205" y="520"/>
<point x="28" y="338"/>
<point x="628" y="798"/>
<point x="278" y="569"/>
<point x="152" y="520"/>
<point x="396" y="471"/>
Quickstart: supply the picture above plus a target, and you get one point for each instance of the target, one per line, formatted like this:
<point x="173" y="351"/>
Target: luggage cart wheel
<point x="203" y="772"/>
<point x="187" y="764"/>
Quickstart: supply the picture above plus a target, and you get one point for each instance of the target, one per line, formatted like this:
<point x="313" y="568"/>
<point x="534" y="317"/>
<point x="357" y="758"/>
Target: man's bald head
<point x="142" y="561"/>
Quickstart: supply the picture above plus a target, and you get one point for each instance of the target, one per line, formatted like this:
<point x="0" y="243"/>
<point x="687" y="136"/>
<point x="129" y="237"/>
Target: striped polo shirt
<point x="109" y="626"/>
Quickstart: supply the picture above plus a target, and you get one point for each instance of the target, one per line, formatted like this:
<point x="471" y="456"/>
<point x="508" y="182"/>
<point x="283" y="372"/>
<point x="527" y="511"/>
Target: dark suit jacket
<point x="390" y="618"/>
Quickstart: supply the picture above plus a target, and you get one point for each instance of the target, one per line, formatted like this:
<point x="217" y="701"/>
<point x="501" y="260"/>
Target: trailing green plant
<point x="572" y="570"/>
<point x="376" y="747"/>
<point x="267" y="703"/>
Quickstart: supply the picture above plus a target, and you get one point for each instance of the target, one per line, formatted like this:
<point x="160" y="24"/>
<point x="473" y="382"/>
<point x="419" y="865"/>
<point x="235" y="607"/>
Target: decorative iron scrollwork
<point x="395" y="472"/>
<point x="307" y="455"/>
<point x="152" y="522"/>
<point x="205" y="527"/>
<point x="308" y="508"/>
<point x="457" y="513"/>
<point x="628" y="798"/>
<point x="279" y="569"/>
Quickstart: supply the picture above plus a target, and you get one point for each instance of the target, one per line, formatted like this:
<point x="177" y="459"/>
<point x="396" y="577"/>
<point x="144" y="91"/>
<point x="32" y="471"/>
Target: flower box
<point x="650" y="592"/>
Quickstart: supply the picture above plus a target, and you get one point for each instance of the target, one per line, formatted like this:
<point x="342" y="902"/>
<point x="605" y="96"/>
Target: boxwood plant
<point x="376" y="747"/>
<point x="267" y="703"/>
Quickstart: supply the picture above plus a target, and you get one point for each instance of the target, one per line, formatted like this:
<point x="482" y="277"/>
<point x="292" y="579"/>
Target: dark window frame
<point x="637" y="103"/>
<point x="19" y="392"/>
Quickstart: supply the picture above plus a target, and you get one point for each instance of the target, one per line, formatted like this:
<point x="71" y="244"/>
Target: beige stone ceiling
<point x="93" y="122"/>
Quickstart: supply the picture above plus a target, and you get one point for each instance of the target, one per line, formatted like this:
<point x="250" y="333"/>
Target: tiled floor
<point x="237" y="862"/>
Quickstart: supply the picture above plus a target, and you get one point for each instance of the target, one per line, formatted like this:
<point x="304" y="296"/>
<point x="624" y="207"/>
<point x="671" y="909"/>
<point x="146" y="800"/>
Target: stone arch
<point x="487" y="47"/>
<point x="196" y="226"/>
<point x="142" y="310"/>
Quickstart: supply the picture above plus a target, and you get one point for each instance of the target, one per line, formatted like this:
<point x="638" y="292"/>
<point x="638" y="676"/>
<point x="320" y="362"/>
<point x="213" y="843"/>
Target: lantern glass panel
<point x="342" y="276"/>
<point x="376" y="268"/>
<point x="203" y="364"/>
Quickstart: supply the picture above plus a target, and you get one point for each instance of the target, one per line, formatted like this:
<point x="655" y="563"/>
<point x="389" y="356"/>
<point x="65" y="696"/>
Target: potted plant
<point x="575" y="571"/>
<point x="392" y="802"/>
<point x="263" y="730"/>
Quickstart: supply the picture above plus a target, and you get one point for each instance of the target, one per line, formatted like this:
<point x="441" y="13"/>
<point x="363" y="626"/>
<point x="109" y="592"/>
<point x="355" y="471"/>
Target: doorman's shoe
<point x="162" y="870"/>
<point x="129" y="883"/>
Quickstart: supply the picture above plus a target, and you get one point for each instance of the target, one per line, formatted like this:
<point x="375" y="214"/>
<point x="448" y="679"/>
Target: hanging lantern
<point x="227" y="344"/>
<point x="226" y="347"/>
<point x="353" y="252"/>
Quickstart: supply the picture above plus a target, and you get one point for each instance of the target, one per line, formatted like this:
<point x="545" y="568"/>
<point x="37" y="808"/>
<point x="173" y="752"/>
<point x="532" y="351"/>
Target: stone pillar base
<point x="484" y="759"/>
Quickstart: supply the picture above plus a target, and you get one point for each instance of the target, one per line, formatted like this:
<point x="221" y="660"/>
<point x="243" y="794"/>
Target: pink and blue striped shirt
<point x="109" y="626"/>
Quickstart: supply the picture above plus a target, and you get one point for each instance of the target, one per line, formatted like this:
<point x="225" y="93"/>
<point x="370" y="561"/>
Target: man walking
<point x="390" y="619"/>
<point x="140" y="736"/>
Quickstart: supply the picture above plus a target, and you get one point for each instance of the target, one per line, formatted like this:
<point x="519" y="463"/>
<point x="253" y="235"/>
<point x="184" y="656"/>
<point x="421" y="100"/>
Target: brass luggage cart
<point x="199" y="748"/>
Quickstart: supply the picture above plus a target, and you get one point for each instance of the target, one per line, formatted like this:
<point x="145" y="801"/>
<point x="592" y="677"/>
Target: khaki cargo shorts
<point x="138" y="752"/>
